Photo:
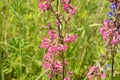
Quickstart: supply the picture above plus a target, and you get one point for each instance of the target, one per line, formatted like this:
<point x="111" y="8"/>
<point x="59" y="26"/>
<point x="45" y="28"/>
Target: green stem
<point x="20" y="65"/>
<point x="57" y="5"/>
<point x="1" y="60"/>
<point x="60" y="37"/>
<point x="113" y="61"/>
<point x="63" y="72"/>
<point x="2" y="71"/>
<point x="112" y="68"/>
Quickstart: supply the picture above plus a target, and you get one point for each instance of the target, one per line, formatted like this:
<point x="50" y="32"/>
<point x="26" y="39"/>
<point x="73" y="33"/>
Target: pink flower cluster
<point x="68" y="8"/>
<point x="49" y="61"/>
<point x="110" y="32"/>
<point x="70" y="38"/>
<point x="94" y="72"/>
<point x="111" y="27"/>
<point x="55" y="43"/>
<point x="44" y="6"/>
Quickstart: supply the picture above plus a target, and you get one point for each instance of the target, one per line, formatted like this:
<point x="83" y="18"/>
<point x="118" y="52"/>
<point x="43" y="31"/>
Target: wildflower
<point x="46" y="61"/>
<point x="103" y="76"/>
<point x="57" y="66"/>
<point x="57" y="23"/>
<point x="94" y="71"/>
<point x="73" y="10"/>
<point x="63" y="48"/>
<point x="53" y="49"/>
<point x="45" y="6"/>
<point x="110" y="31"/>
<point x="67" y="78"/>
<point x="45" y="43"/>
<point x="114" y="41"/>
<point x="52" y="61"/>
<point x="113" y="6"/>
<point x="102" y="30"/>
<point x="110" y="14"/>
<point x="71" y="38"/>
<point x="52" y="34"/>
<point x="66" y="7"/>
<point x="90" y="77"/>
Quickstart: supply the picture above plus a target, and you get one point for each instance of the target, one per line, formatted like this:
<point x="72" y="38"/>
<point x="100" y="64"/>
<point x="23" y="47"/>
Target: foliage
<point x="21" y="30"/>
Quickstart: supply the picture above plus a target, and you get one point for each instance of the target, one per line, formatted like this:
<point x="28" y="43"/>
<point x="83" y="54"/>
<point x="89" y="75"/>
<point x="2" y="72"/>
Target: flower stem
<point x="113" y="61"/>
<point x="112" y="68"/>
<point x="60" y="37"/>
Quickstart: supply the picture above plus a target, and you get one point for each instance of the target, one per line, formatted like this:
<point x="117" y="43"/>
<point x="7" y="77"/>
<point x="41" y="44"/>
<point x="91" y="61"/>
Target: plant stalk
<point x="60" y="37"/>
<point x="112" y="68"/>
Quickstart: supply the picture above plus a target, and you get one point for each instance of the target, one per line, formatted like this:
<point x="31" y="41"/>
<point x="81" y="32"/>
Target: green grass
<point x="21" y="30"/>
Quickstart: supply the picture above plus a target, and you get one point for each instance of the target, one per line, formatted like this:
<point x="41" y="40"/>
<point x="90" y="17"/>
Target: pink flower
<point x="105" y="23"/>
<point x="57" y="23"/>
<point x="103" y="76"/>
<point x="73" y="11"/>
<point x="74" y="37"/>
<point x="102" y="30"/>
<point x="48" y="56"/>
<point x="45" y="6"/>
<point x="46" y="61"/>
<point x="52" y="34"/>
<point x="45" y="43"/>
<point x="70" y="38"/>
<point x="63" y="48"/>
<point x="66" y="7"/>
<point x="92" y="68"/>
<point x="94" y="71"/>
<point x="90" y="77"/>
<point x="57" y="66"/>
<point x="109" y="31"/>
<point x="67" y="78"/>
<point x="114" y="41"/>
<point x="118" y="36"/>
<point x="53" y="49"/>
<point x="46" y="65"/>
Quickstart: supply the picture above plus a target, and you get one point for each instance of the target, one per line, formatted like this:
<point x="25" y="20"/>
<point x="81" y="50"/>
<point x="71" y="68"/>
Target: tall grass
<point x="21" y="30"/>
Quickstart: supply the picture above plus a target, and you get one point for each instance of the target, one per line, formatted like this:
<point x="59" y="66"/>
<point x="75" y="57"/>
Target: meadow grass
<point x="22" y="27"/>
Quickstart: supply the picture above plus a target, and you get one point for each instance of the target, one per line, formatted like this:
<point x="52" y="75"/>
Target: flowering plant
<point x="111" y="31"/>
<point x="56" y="43"/>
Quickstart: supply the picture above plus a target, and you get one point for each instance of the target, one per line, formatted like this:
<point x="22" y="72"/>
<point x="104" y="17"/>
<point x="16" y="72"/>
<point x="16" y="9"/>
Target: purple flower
<point x="110" y="14"/>
<point x="115" y="15"/>
<point x="113" y="6"/>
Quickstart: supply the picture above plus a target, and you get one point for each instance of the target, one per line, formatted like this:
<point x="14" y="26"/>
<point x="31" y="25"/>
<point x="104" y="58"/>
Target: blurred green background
<point x="22" y="27"/>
